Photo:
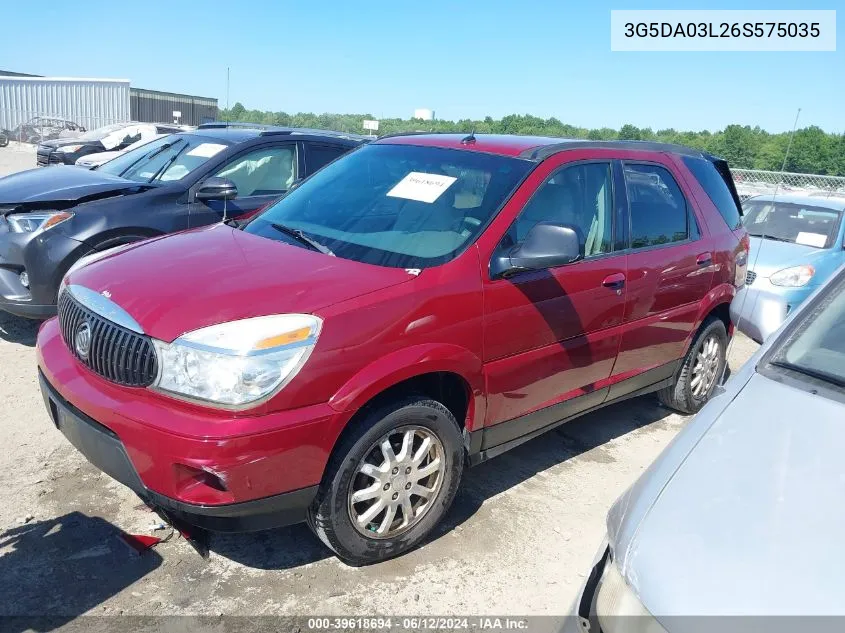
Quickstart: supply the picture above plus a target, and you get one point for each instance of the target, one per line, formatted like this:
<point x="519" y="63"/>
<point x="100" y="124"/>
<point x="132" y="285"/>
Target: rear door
<point x="670" y="270"/>
<point x="551" y="336"/>
<point x="261" y="173"/>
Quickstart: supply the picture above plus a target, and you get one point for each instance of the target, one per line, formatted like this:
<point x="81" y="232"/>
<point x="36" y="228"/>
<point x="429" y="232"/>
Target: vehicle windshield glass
<point x="166" y="159"/>
<point x="101" y="132"/>
<point x="817" y="346"/>
<point x="400" y="206"/>
<point x="790" y="222"/>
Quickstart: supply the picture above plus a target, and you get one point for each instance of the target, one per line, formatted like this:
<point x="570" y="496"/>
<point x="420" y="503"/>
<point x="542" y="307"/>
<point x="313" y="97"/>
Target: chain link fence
<point x="755" y="182"/>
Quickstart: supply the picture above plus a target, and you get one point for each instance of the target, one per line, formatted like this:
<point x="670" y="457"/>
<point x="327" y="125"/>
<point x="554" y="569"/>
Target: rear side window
<point x="658" y="208"/>
<point x="316" y="156"/>
<point x="714" y="184"/>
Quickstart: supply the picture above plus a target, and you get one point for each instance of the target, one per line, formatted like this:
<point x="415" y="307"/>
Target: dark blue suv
<point x="51" y="218"/>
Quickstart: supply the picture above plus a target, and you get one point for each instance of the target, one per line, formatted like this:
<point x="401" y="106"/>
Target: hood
<point x="179" y="283"/>
<point x="58" y="185"/>
<point x="61" y="142"/>
<point x="752" y="520"/>
<point x="774" y="256"/>
<point x="98" y="158"/>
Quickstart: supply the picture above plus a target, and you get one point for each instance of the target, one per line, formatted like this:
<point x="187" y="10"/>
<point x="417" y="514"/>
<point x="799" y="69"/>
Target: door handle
<point x="615" y="281"/>
<point x="704" y="259"/>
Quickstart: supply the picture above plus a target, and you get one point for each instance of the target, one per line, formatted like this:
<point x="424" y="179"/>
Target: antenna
<point x="225" y="217"/>
<point x="228" y="111"/>
<point x="762" y="240"/>
<point x="468" y="139"/>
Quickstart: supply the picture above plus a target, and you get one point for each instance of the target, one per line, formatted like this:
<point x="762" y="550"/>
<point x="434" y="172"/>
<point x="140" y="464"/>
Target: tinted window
<point x="789" y="222"/>
<point x="317" y="156"/>
<point x="658" y="208"/>
<point x="717" y="189"/>
<point x="262" y="172"/>
<point x="579" y="196"/>
<point x="397" y="205"/>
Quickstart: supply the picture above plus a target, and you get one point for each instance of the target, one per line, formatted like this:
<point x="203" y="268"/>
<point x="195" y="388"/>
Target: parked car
<point x="92" y="161"/>
<point x="119" y="136"/>
<point x="49" y="218"/>
<point x="421" y="303"/>
<point x="741" y="514"/>
<point x="797" y="241"/>
<point x="42" y="128"/>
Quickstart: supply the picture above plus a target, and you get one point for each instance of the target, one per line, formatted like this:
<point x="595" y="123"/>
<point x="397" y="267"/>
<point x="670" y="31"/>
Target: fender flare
<point x="407" y="363"/>
<point x="721" y="294"/>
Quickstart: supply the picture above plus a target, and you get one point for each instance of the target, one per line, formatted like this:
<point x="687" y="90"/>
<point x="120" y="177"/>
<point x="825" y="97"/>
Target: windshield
<point x="817" y="346"/>
<point x="101" y="132"/>
<point x="790" y="222"/>
<point x="166" y="159"/>
<point x="397" y="205"/>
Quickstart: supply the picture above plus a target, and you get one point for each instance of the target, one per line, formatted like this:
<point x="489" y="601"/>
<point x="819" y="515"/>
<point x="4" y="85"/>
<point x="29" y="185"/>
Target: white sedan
<point x="95" y="160"/>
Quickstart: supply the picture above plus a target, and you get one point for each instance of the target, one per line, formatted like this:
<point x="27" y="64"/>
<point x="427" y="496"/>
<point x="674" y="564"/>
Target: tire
<point x="684" y="396"/>
<point x="4" y="140"/>
<point x="331" y="514"/>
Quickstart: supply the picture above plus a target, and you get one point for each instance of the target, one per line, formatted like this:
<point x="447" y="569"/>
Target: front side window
<point x="577" y="196"/>
<point x="262" y="172"/>
<point x="398" y="205"/>
<point x="790" y="222"/>
<point x="659" y="213"/>
<point x="816" y="347"/>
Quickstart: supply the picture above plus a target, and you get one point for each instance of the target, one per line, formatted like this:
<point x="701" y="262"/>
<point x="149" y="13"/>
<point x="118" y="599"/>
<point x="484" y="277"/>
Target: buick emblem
<point x="82" y="340"/>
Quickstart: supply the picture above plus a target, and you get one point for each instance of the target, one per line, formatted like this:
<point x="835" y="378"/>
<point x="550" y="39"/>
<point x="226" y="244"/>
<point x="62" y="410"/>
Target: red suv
<point x="421" y="304"/>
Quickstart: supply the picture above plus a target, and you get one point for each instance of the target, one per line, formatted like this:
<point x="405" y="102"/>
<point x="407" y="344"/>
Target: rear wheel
<point x="389" y="482"/>
<point x="701" y="369"/>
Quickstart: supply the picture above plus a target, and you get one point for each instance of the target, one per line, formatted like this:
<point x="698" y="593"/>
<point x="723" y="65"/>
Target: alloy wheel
<point x="396" y="482"/>
<point x="705" y="368"/>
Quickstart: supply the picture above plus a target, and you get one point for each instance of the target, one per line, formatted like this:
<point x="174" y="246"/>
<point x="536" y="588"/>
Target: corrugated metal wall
<point x="91" y="103"/>
<point x="152" y="106"/>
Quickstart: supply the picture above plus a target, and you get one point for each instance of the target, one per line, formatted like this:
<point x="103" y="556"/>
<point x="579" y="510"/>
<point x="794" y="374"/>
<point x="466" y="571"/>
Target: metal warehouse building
<point x="92" y="103"/>
<point x="152" y="106"/>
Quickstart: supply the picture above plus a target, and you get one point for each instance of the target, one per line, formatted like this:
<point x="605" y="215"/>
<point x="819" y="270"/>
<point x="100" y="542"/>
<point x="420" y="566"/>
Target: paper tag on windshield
<point x="206" y="150"/>
<point x="812" y="239"/>
<point x="421" y="186"/>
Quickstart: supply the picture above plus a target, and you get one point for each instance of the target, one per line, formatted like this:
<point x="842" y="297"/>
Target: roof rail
<point x="237" y="124"/>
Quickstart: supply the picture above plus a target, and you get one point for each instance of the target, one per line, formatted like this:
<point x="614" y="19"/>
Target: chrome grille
<point x="750" y="276"/>
<point x="115" y="353"/>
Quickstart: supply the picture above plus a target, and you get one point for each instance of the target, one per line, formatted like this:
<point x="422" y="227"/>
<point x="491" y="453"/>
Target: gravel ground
<point x="518" y="540"/>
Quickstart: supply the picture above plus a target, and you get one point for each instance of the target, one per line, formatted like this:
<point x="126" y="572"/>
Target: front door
<point x="551" y="336"/>
<point x="261" y="175"/>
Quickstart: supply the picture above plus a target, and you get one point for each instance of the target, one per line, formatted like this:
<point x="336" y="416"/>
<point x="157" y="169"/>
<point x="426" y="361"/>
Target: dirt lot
<point x="522" y="532"/>
<point x="518" y="540"/>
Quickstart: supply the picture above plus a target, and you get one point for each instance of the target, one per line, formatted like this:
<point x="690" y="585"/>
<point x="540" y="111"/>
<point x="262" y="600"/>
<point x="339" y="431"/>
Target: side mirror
<point x="547" y="245"/>
<point x="216" y="188"/>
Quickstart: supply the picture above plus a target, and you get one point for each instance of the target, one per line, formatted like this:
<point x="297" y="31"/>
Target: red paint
<point x="517" y="345"/>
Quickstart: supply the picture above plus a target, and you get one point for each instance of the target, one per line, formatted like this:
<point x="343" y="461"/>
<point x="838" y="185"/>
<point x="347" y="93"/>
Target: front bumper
<point x="209" y="468"/>
<point x="45" y="256"/>
<point x="759" y="310"/>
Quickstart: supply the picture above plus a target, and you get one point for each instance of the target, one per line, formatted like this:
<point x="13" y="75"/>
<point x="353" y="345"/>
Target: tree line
<point x="813" y="150"/>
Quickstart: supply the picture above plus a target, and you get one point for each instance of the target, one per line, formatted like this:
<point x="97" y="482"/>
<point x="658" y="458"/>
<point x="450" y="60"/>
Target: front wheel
<point x="701" y="370"/>
<point x="4" y="140"/>
<point x="389" y="482"/>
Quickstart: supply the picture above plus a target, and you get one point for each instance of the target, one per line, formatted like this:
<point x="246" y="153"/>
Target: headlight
<point x="36" y="221"/>
<point x="618" y="609"/>
<point x="69" y="149"/>
<point x="794" y="277"/>
<point x="239" y="363"/>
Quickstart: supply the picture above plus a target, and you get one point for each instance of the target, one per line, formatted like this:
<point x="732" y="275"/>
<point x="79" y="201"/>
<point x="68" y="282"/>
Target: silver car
<point x="744" y="512"/>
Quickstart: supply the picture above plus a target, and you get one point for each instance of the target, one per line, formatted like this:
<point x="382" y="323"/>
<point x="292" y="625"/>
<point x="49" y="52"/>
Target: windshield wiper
<point x="167" y="163"/>
<point x="812" y="373"/>
<point x="300" y="237"/>
<point x="771" y="237"/>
